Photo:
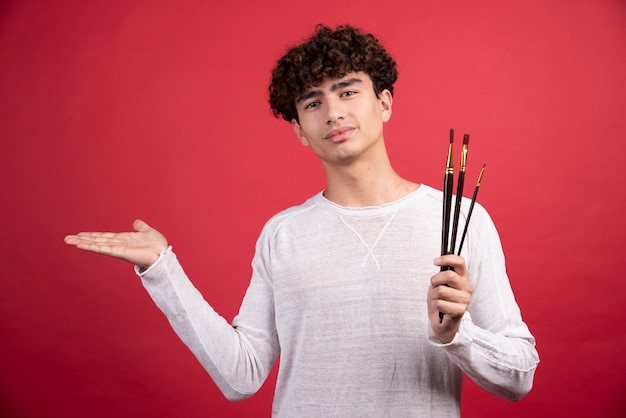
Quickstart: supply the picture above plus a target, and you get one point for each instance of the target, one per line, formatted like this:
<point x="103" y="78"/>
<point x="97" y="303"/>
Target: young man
<point x="344" y="287"/>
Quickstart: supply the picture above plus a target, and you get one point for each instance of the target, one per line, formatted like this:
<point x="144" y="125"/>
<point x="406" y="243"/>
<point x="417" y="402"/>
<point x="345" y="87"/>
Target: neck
<point x="365" y="183"/>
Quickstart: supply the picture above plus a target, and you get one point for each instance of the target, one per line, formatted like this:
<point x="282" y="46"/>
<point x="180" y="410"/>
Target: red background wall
<point x="116" y="110"/>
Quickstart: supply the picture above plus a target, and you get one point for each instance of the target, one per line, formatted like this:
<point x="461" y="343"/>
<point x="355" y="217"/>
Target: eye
<point x="312" y="105"/>
<point x="348" y="93"/>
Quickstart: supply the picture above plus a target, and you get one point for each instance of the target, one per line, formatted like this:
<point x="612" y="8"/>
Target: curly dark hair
<point x="328" y="54"/>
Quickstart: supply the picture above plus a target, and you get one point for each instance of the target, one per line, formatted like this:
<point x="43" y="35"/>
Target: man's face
<point x="342" y="119"/>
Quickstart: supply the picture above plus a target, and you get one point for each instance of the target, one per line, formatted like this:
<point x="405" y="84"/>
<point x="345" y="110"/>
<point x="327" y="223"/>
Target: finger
<point x="456" y="262"/>
<point x="449" y="301"/>
<point x="444" y="278"/>
<point x="140" y="226"/>
<point x="95" y="248"/>
<point x="451" y="279"/>
<point x="450" y="294"/>
<point x="92" y="241"/>
<point x="450" y="309"/>
<point x="83" y="237"/>
<point x="90" y="236"/>
<point x="96" y="237"/>
<point x="71" y="239"/>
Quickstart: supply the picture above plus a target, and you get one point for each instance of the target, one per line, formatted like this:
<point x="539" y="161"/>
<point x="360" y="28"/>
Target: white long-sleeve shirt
<point x="340" y="295"/>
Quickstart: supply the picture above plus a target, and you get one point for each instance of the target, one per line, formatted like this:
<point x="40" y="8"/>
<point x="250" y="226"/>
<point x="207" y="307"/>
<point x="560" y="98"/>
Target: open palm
<point x="141" y="247"/>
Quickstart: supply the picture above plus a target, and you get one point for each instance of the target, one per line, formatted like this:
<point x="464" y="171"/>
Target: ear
<point x="386" y="100"/>
<point x="299" y="133"/>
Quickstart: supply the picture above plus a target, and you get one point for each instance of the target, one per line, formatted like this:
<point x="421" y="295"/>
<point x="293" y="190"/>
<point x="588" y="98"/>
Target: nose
<point x="335" y="111"/>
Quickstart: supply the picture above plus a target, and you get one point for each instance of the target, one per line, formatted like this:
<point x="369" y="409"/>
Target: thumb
<point x="140" y="226"/>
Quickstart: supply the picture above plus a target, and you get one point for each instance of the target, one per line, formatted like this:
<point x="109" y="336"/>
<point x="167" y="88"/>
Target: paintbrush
<point x="459" y="193"/>
<point x="471" y="208"/>
<point x="448" y="184"/>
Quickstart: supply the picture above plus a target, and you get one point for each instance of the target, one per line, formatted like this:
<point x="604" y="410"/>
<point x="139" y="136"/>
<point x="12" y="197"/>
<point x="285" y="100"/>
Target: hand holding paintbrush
<point x="449" y="248"/>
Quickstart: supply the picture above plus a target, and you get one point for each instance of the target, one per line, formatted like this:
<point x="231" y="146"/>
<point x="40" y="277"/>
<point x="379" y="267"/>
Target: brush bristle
<point x="451" y="135"/>
<point x="465" y="139"/>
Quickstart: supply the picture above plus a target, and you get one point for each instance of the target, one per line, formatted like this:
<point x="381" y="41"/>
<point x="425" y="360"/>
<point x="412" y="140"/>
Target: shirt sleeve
<point x="238" y="357"/>
<point x="493" y="345"/>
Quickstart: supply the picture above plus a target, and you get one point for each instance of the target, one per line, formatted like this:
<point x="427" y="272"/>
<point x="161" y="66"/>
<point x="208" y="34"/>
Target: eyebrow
<point x="336" y="86"/>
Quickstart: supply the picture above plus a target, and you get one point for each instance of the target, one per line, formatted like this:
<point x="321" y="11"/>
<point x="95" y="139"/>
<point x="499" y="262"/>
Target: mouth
<point x="339" y="134"/>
